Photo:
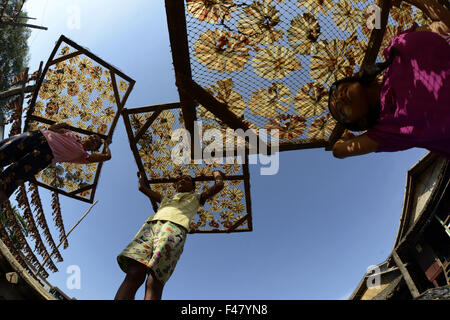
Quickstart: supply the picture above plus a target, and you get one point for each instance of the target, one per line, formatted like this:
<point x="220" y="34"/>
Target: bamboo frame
<point x="120" y="102"/>
<point x="133" y="139"/>
<point x="190" y="91"/>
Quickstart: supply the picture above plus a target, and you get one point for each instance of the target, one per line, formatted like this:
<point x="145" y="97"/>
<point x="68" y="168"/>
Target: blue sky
<point x="318" y="223"/>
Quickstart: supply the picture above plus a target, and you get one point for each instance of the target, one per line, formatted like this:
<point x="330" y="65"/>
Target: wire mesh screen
<point x="272" y="61"/>
<point x="150" y="131"/>
<point x="86" y="93"/>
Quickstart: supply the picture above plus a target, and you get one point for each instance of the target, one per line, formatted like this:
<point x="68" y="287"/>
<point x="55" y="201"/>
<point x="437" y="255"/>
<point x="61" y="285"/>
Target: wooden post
<point x="409" y="281"/>
<point x="18" y="24"/>
<point x="176" y="22"/>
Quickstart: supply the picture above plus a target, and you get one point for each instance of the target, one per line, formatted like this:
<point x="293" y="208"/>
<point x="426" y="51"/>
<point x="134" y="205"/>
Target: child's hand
<point x="218" y="177"/>
<point x="108" y="141"/>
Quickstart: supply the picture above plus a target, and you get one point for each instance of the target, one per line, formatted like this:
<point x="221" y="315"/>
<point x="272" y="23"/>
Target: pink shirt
<point x="66" y="147"/>
<point x="415" y="98"/>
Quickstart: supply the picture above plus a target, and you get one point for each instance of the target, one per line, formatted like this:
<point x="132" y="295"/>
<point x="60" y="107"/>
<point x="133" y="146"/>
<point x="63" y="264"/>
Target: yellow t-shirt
<point x="179" y="208"/>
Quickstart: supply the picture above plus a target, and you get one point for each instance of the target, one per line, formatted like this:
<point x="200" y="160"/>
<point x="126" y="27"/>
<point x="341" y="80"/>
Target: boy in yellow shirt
<point x="157" y="246"/>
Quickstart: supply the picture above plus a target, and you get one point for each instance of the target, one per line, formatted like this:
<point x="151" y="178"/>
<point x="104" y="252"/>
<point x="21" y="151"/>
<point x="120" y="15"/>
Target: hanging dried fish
<point x="36" y="201"/>
<point x="58" y="219"/>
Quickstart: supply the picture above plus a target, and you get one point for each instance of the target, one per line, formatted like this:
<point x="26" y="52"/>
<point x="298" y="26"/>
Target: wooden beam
<point x="218" y="109"/>
<point x="146" y="125"/>
<point x="99" y="60"/>
<point x="196" y="179"/>
<point x="16" y="91"/>
<point x="218" y="231"/>
<point x="67" y="194"/>
<point x="18" y="24"/>
<point x="176" y="22"/>
<point x="248" y="199"/>
<point x="66" y="57"/>
<point x="376" y="38"/>
<point x="167" y="106"/>
<point x="136" y="156"/>
<point x="409" y="281"/>
<point x="238" y="223"/>
<point x="75" y="129"/>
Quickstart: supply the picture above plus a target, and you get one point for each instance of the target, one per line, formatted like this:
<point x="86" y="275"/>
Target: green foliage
<point x="13" y="51"/>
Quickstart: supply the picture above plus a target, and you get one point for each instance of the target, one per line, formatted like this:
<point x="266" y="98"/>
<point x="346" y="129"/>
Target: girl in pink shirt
<point x="410" y="106"/>
<point x="30" y="152"/>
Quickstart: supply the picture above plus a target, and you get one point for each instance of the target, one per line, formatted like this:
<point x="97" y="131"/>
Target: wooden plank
<point x="127" y="93"/>
<point x="147" y="124"/>
<point x="136" y="156"/>
<point x="238" y="223"/>
<point x="176" y="22"/>
<point x="75" y="129"/>
<point x="67" y="194"/>
<point x="15" y="91"/>
<point x="66" y="57"/>
<point x="167" y="106"/>
<point x="85" y="188"/>
<point x="115" y="89"/>
<point x="95" y="58"/>
<point x="409" y="281"/>
<point x="18" y="24"/>
<point x="218" y="231"/>
<point x="247" y="192"/>
<point x="196" y="179"/>
<point x="218" y="109"/>
<point x="376" y="37"/>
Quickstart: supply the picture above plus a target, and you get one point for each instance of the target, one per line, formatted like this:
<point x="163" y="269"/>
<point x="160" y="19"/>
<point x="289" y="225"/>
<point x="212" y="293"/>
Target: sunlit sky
<point x="319" y="223"/>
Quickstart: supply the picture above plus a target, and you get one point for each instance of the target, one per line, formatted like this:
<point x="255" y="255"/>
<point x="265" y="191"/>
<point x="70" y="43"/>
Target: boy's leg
<point x="153" y="288"/>
<point x="166" y="253"/>
<point x="133" y="280"/>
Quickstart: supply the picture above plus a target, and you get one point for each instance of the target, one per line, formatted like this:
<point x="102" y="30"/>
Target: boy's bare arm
<point x="142" y="185"/>
<point x="100" y="156"/>
<point x="216" y="188"/>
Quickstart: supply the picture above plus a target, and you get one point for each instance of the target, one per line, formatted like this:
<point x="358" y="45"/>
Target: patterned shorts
<point x="158" y="245"/>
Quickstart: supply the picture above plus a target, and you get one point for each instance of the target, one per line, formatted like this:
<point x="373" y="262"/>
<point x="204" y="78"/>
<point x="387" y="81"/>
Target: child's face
<point x="185" y="184"/>
<point x="349" y="102"/>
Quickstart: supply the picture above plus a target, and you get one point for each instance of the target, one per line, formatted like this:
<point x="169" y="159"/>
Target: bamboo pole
<point x="17" y="24"/>
<point x="66" y="236"/>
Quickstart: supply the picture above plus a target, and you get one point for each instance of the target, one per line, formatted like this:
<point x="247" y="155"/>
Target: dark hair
<point x="99" y="141"/>
<point x="365" y="76"/>
<point x="188" y="176"/>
